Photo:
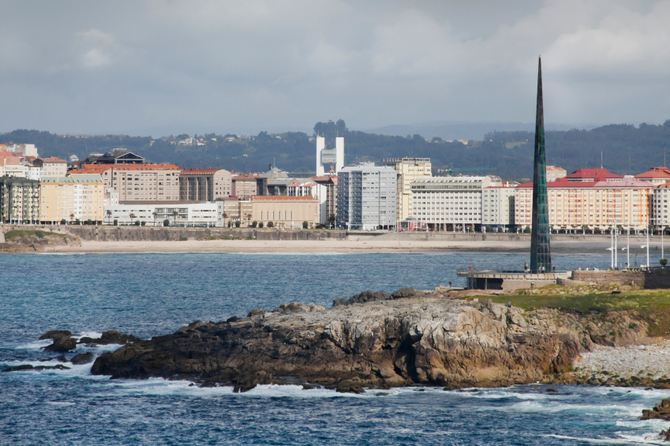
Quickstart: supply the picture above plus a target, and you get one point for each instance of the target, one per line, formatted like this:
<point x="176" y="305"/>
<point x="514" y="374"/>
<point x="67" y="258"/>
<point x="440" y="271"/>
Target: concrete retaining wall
<point x="657" y="278"/>
<point x="150" y="233"/>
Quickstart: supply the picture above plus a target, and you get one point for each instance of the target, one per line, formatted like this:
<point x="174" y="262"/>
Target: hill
<point x="625" y="149"/>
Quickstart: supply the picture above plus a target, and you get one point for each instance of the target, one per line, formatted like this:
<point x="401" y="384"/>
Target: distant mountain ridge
<point x="626" y="149"/>
<point x="455" y="130"/>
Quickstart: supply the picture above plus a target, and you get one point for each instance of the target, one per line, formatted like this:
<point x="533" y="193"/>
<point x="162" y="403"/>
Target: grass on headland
<point x="17" y="233"/>
<point x="653" y="305"/>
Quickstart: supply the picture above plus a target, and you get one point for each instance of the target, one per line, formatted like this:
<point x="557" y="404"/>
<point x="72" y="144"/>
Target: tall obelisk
<point x="540" y="243"/>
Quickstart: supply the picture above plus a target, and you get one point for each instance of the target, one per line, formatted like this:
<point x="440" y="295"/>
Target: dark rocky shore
<point x="375" y="340"/>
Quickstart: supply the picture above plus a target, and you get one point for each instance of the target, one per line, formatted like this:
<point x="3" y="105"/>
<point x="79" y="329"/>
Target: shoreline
<point x="321" y="246"/>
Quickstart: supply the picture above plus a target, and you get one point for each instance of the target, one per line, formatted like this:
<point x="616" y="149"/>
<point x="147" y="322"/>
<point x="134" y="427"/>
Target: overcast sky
<point x="164" y="66"/>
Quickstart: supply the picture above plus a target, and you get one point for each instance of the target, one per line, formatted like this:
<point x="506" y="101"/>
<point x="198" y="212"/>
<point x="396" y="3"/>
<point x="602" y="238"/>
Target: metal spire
<point x="540" y="243"/>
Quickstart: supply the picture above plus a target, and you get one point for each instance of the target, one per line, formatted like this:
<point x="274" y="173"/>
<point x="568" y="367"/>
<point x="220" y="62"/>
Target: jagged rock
<point x="110" y="337"/>
<point x="403" y="293"/>
<point x="53" y="334"/>
<point x="365" y="296"/>
<point x="381" y="343"/>
<point x="349" y="387"/>
<point x="83" y="358"/>
<point x="233" y="319"/>
<point x="62" y="344"/>
<point x="253" y="313"/>
<point x="297" y="308"/>
<point x="59" y="358"/>
<point x="660" y="411"/>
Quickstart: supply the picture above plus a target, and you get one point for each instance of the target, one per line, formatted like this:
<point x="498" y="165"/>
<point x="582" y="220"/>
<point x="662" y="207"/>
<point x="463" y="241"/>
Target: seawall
<point x="159" y="233"/>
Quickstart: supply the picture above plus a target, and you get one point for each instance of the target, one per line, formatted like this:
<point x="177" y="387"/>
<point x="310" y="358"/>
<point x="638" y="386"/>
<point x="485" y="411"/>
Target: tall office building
<point x="408" y="169"/>
<point x="366" y="197"/>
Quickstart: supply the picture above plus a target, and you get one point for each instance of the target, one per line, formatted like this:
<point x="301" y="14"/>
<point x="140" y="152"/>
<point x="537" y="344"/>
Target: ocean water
<point x="154" y="294"/>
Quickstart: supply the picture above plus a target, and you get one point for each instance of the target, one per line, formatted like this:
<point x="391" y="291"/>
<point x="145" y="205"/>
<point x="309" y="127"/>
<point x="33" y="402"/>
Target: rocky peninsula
<point x="376" y="340"/>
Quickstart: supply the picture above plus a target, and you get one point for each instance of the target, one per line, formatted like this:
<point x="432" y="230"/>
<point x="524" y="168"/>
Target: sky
<point x="164" y="67"/>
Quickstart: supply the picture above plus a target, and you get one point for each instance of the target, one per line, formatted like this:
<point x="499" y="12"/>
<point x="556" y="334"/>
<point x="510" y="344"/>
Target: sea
<point x="150" y="294"/>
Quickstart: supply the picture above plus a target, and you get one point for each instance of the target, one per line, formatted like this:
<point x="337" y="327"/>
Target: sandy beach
<point x="365" y="245"/>
<point x="354" y="244"/>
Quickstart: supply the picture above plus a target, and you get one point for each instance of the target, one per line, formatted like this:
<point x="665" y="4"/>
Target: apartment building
<point x="229" y="210"/>
<point x="366" y="197"/>
<point x="554" y="173"/>
<point x="244" y="186"/>
<point x="75" y="197"/>
<point x="408" y="169"/>
<point x="659" y="210"/>
<point x="20" y="149"/>
<point x="589" y="198"/>
<point x="51" y="166"/>
<point x="138" y="182"/>
<point x="450" y="203"/>
<point x="11" y="166"/>
<point x="498" y="207"/>
<point x="327" y="195"/>
<point x="656" y="175"/>
<point x="204" y="184"/>
<point x="19" y="199"/>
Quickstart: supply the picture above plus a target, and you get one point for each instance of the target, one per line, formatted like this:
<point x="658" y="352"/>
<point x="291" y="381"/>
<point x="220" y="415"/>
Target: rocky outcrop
<point x="37" y="243"/>
<point x="659" y="412"/>
<point x="371" y="340"/>
<point x="109" y="337"/>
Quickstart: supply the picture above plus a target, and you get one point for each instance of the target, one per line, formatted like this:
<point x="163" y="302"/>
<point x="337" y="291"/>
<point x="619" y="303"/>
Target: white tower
<point x="320" y="145"/>
<point x="339" y="153"/>
<point x="329" y="156"/>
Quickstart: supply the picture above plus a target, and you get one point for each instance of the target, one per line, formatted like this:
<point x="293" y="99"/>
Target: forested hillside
<point x="625" y="149"/>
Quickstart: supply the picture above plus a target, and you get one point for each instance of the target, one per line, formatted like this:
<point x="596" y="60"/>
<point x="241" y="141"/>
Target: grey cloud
<point x="82" y="66"/>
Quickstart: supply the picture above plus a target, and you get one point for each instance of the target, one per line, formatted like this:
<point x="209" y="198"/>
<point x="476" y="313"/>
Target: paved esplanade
<point x="540" y="243"/>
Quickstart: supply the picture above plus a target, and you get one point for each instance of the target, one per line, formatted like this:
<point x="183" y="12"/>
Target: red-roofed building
<point x="52" y="167"/>
<point x="137" y="182"/>
<point x="327" y="201"/>
<point x="204" y="184"/>
<point x="655" y="175"/>
<point x="593" y="198"/>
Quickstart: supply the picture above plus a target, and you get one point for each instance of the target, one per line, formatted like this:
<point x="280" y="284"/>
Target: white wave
<point x="625" y="439"/>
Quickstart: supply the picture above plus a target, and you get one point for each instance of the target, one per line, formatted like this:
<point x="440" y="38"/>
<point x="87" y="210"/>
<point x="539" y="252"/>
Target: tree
<point x="174" y="214"/>
<point x="166" y="222"/>
<point x="305" y="225"/>
<point x="109" y="215"/>
<point x="260" y="225"/>
<point x="154" y="213"/>
<point x="132" y="217"/>
<point x="71" y="218"/>
<point x="248" y="219"/>
<point x="254" y="224"/>
<point x="224" y="218"/>
<point x="237" y="223"/>
<point x="331" y="220"/>
<point x="663" y="262"/>
<point x="271" y="225"/>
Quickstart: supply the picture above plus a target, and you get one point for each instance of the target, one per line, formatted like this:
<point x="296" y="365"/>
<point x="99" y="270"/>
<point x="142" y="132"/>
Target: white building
<point x="192" y="214"/>
<point x="659" y="210"/>
<point x="498" y="207"/>
<point x="408" y="169"/>
<point x="329" y="156"/>
<point x="366" y="197"/>
<point x="453" y="201"/>
<point x="25" y="149"/>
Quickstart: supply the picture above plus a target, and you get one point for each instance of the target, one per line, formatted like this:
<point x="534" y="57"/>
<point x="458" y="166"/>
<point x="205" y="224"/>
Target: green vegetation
<point x="18" y="233"/>
<point x="625" y="148"/>
<point x="653" y="305"/>
<point x="182" y="239"/>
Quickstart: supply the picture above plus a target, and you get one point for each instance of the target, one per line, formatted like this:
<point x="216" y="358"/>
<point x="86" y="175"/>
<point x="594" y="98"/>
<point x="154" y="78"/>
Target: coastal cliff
<point x="376" y="340"/>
